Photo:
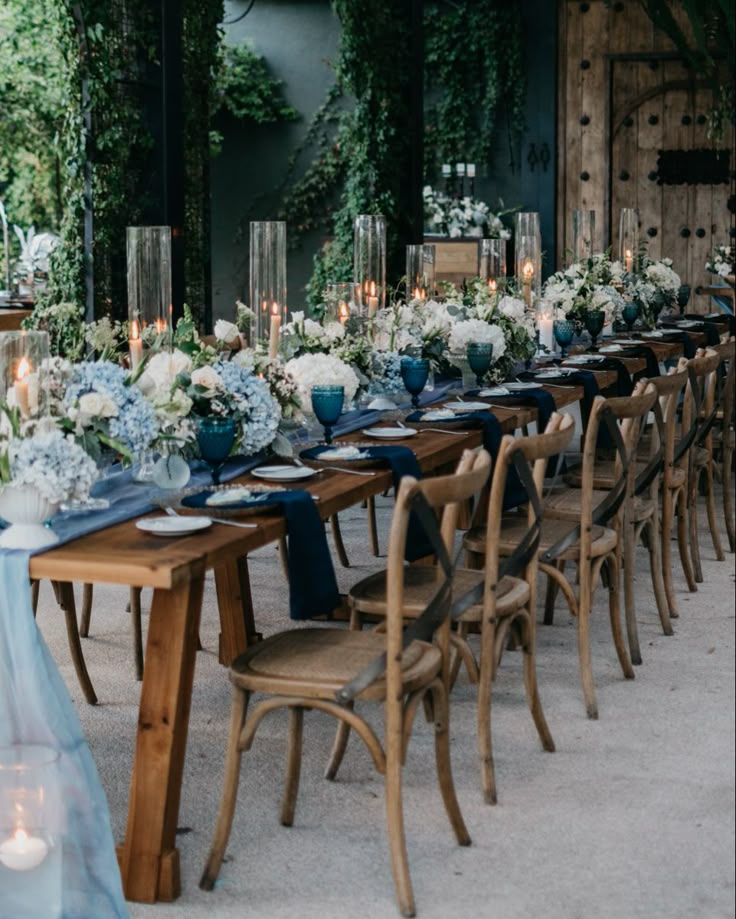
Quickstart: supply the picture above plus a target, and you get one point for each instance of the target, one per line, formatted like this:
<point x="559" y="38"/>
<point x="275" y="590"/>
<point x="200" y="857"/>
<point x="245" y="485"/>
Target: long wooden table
<point x="11" y="318"/>
<point x="175" y="569"/>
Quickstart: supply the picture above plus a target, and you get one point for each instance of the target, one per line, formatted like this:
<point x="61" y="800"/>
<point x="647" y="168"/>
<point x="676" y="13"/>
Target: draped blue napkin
<point x="624" y="386"/>
<point x="539" y="398"/>
<point x="36" y="709"/>
<point x="312" y="583"/>
<point x="402" y="461"/>
<point x="652" y="369"/>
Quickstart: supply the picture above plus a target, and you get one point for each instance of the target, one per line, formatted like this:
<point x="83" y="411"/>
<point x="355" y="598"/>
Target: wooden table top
<point x="11" y="318"/>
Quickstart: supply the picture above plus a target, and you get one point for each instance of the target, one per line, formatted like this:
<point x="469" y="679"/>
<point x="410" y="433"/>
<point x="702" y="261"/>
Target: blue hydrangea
<point x="135" y="426"/>
<point x="257" y="412"/>
<point x="386" y="372"/>
<point x="52" y="464"/>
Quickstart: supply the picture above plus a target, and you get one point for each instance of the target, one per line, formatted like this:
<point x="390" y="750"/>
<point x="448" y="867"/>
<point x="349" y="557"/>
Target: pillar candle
<point x="273" y="339"/>
<point x="20" y="389"/>
<point x="628" y="260"/>
<point x="135" y="346"/>
<point x="21" y="852"/>
<point x="546" y="333"/>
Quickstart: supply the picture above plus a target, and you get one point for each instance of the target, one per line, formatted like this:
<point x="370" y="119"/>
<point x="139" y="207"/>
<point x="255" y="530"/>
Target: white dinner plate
<point x="521" y="386"/>
<point x="173" y="526"/>
<point x="610" y="349"/>
<point x="460" y="407"/>
<point x="654" y="334"/>
<point x="584" y="359"/>
<point x="283" y="473"/>
<point x="390" y="433"/>
<point x="554" y="374"/>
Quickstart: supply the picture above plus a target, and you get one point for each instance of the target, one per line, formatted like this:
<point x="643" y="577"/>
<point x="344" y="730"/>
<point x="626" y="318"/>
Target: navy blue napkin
<point x="312" y="583"/>
<point x="624" y="386"/>
<point x="402" y="461"/>
<point x="540" y="398"/>
<point x="649" y="356"/>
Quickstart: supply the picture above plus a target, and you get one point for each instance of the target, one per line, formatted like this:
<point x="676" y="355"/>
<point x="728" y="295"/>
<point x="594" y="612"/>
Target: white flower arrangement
<point x="466" y="216"/>
<point x="321" y="370"/>
<point x="466" y="331"/>
<point x="226" y="332"/>
<point x="655" y="286"/>
<point x="50" y="462"/>
<point x="721" y="261"/>
<point x="583" y="286"/>
<point x="281" y="383"/>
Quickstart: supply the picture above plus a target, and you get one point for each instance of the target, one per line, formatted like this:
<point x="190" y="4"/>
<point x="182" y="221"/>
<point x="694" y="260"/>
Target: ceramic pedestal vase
<point x="26" y="510"/>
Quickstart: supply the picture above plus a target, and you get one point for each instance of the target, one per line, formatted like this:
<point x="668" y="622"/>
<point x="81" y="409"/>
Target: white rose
<point x="162" y="369"/>
<point x="334" y="331"/>
<point x="226" y="331"/>
<point x="297" y="317"/>
<point x="96" y="405"/>
<point x="209" y="378"/>
<point x="312" y="329"/>
<point x="512" y="307"/>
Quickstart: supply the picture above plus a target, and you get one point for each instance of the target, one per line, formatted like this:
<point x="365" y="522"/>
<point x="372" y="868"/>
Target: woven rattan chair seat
<point x="420" y="582"/>
<point x="605" y="475"/>
<point x="512" y="528"/>
<point x="315" y="663"/>
<point x="565" y="505"/>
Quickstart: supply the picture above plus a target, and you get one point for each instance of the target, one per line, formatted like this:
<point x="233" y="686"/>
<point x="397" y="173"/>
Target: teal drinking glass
<point x="594" y="322"/>
<point x="215" y="436"/>
<point x="564" y="330"/>
<point x="479" y="356"/>
<point x="327" y="403"/>
<point x="415" y="373"/>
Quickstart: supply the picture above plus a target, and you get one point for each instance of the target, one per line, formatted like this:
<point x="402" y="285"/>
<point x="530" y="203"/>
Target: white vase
<point x="26" y="510"/>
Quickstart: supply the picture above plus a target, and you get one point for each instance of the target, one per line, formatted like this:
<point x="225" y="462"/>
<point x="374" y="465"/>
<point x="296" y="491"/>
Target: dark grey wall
<point x="298" y="40"/>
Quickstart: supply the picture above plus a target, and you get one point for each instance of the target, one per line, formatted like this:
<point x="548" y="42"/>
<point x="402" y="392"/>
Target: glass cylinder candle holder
<point x="628" y="238"/>
<point x="526" y="223"/>
<point x="369" y="262"/>
<point x="149" y="282"/>
<point x="583" y="235"/>
<point x="529" y="268"/>
<point x="420" y="272"/>
<point x="23" y="362"/>
<point x="340" y="302"/>
<point x="492" y="261"/>
<point x="268" y="280"/>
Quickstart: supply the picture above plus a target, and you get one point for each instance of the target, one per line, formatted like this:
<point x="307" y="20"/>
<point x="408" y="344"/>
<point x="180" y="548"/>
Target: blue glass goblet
<point x="564" y="331"/>
<point x="629" y="314"/>
<point x="479" y="355"/>
<point x="327" y="403"/>
<point x="215" y="436"/>
<point x="594" y="322"/>
<point x="415" y="373"/>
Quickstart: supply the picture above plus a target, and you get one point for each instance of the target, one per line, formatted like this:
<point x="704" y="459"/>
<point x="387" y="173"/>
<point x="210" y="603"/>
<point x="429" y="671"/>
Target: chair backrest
<point x="424" y="499"/>
<point x="669" y="388"/>
<point x="529" y="456"/>
<point x="699" y="406"/>
<point x="726" y="382"/>
<point x="623" y="418"/>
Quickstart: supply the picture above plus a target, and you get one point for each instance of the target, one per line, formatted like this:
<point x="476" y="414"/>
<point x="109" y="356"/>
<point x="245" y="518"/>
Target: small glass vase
<point x="564" y="332"/>
<point x="594" y="322"/>
<point x="327" y="403"/>
<point x="171" y="471"/>
<point x="215" y="437"/>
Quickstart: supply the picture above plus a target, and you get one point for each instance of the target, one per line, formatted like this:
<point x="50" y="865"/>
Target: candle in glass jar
<point x="21" y="852"/>
<point x="135" y="345"/>
<point x="527" y="276"/>
<point x="493" y="285"/>
<point x="20" y="389"/>
<point x="343" y="312"/>
<point x="273" y="338"/>
<point x="372" y="298"/>
<point x="628" y="260"/>
<point x="419" y="294"/>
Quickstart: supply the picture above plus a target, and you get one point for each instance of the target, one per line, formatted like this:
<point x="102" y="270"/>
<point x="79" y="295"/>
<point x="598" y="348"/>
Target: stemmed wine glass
<point x="415" y="373"/>
<point x="594" y="322"/>
<point x="327" y="403"/>
<point x="564" y="330"/>
<point x="215" y="436"/>
<point x="629" y="314"/>
<point x="479" y="357"/>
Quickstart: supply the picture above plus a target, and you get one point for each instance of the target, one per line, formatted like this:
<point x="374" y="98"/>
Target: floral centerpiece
<point x="281" y="383"/>
<point x="318" y="369"/>
<point x="466" y="216"/>
<point x="721" y="261"/>
<point x="583" y="287"/>
<point x="654" y="286"/>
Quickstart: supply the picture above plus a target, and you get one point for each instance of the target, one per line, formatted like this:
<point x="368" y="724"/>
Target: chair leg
<point x="462" y="653"/>
<point x="629" y="602"/>
<point x="229" y="791"/>
<point x="614" y="610"/>
<point x="396" y="833"/>
<point x="441" y="707"/>
<point x="655" y="568"/>
<point x="528" y="630"/>
<point x="692" y="517"/>
<point x="682" y="543"/>
<point x="483" y="712"/>
<point x="293" y="765"/>
<point x="65" y="598"/>
<point x="284" y="556"/>
<point x="728" y="496"/>
<point x="135" y="622"/>
<point x="668" y="507"/>
<point x="339" y="544"/>
<point x="551" y="596"/>
<point x="35" y="588"/>
<point x="339" y="746"/>
<point x="372" y="526"/>
<point x="586" y="667"/>
<point x="710" y="504"/>
<point x="87" y="595"/>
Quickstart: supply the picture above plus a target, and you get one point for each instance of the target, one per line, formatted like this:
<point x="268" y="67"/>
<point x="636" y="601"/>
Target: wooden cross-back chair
<point x="591" y="540"/>
<point x="699" y="415"/>
<point x="331" y="669"/>
<point x="495" y="596"/>
<point x="724" y="432"/>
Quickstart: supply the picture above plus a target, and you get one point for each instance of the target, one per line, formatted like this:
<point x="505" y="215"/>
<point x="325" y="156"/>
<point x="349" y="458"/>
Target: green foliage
<point x="245" y="88"/>
<point x="64" y="323"/>
<point x="710" y="50"/>
<point x="474" y="69"/>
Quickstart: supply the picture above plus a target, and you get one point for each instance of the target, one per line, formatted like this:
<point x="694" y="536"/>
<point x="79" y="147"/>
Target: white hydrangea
<point x="321" y="370"/>
<point x="53" y="464"/>
<point x="469" y="330"/>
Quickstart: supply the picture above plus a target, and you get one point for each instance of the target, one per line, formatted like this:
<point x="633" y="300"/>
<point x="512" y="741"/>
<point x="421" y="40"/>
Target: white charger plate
<point x="521" y="386"/>
<point x="389" y="433"/>
<point x="283" y="473"/>
<point x="173" y="526"/>
<point x="461" y="407"/>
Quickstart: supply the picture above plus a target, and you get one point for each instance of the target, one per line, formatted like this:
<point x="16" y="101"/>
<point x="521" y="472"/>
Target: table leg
<point x="235" y="603"/>
<point x="149" y="860"/>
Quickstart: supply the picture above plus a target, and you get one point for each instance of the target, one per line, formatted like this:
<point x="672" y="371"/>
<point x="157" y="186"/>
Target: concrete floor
<point x="633" y="816"/>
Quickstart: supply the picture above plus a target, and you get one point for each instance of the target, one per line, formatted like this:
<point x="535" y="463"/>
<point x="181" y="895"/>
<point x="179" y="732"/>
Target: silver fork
<point x="229" y="523"/>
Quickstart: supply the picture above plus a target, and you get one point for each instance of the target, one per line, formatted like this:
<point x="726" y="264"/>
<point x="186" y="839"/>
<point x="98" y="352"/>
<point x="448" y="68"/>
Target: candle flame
<point x="527" y="269"/>
<point x="24" y="368"/>
<point x="20" y="835"/>
<point x="373" y="289"/>
<point x="275" y="310"/>
<point x="342" y="311"/>
<point x="493" y="285"/>
<point x="160" y="326"/>
<point x="135" y="332"/>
